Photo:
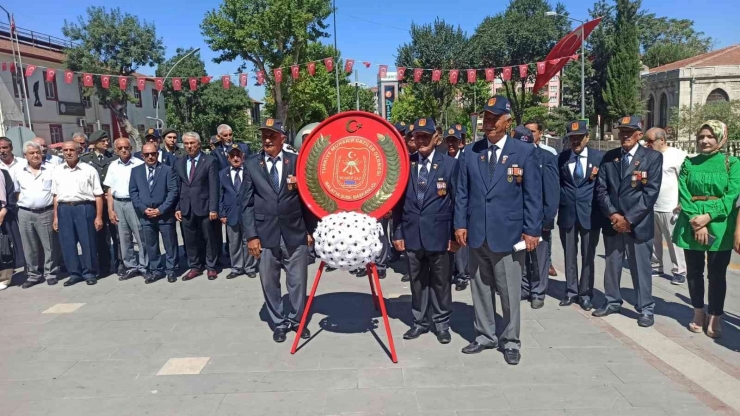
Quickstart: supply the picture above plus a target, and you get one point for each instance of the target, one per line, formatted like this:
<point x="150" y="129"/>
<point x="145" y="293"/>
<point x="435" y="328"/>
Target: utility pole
<point x="336" y="54"/>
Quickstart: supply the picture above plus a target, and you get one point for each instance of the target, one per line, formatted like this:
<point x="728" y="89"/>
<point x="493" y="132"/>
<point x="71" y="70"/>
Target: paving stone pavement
<point x="202" y="348"/>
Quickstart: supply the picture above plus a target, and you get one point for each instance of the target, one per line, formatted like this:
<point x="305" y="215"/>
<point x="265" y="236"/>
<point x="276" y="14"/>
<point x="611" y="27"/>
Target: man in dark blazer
<point x="153" y="190"/>
<point x="453" y="138"/>
<point x="226" y="143"/>
<point x="278" y="228"/>
<point x="153" y="136"/>
<point x="197" y="207"/>
<point x="498" y="206"/>
<point x="230" y="210"/>
<point x="579" y="215"/>
<point x="627" y="188"/>
<point x="423" y="229"/>
<point x="537" y="262"/>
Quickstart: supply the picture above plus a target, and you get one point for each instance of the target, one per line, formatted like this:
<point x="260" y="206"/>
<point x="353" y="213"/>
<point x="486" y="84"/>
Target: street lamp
<point x="159" y="94"/>
<point x="357" y="86"/>
<point x="583" y="59"/>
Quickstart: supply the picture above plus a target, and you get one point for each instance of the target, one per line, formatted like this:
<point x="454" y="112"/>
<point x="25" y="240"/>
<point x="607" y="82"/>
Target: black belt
<point x="37" y="210"/>
<point x="122" y="199"/>
<point x="75" y="203"/>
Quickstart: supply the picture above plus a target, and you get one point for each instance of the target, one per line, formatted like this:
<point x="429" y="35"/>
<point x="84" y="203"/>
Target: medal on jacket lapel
<point x="441" y="187"/>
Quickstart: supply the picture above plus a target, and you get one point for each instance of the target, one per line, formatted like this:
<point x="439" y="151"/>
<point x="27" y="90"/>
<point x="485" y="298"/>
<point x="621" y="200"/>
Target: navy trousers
<point x="152" y="230"/>
<point x="76" y="226"/>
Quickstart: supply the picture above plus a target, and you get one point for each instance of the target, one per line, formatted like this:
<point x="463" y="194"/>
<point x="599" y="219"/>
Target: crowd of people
<point x="479" y="214"/>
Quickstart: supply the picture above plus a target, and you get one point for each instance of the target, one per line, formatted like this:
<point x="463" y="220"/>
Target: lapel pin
<point x="616" y="159"/>
<point x="482" y="158"/>
<point x="637" y="163"/>
<point x="434" y="166"/>
<point x="503" y="159"/>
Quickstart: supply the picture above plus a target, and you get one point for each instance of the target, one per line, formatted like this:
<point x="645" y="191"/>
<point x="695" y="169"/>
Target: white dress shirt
<point x="500" y="145"/>
<point x="583" y="158"/>
<point x="53" y="159"/>
<point x="429" y="162"/>
<point x="239" y="172"/>
<point x="34" y="189"/>
<point x="279" y="164"/>
<point x="119" y="176"/>
<point x="77" y="184"/>
<point x="16" y="162"/>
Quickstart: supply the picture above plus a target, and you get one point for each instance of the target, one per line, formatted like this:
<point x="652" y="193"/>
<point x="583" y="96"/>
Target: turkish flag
<point x="436" y="75"/>
<point x="158" y="84"/>
<point x="226" y="81"/>
<point x="205" y="79"/>
<point x="12" y="67"/>
<point x="87" y="80"/>
<point x="417" y="74"/>
<point x="243" y="80"/>
<point x="383" y="71"/>
<point x="541" y="68"/>
<point x="122" y="83"/>
<point x="329" y="63"/>
<point x="348" y="64"/>
<point x="5" y="66"/>
<point x="193" y="83"/>
<point x="278" y="72"/>
<point x="366" y="63"/>
<point x="401" y="71"/>
<point x="260" y="77"/>
<point x="454" y="74"/>
<point x="506" y="76"/>
<point x="105" y="81"/>
<point x="311" y="68"/>
<point x="574" y="57"/>
<point x="295" y="71"/>
<point x="471" y="75"/>
<point x="177" y="84"/>
<point x="50" y="74"/>
<point x="523" y="69"/>
<point x="29" y="70"/>
<point x="490" y="74"/>
<point x="141" y="83"/>
<point x="554" y="61"/>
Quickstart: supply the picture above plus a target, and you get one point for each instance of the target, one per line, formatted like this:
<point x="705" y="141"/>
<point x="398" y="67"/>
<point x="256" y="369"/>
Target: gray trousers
<point x="537" y="269"/>
<point x="504" y="272"/>
<point x="460" y="263"/>
<point x="40" y="244"/>
<point x="295" y="261"/>
<point x="664" y="229"/>
<point x="431" y="291"/>
<point x="129" y="228"/>
<point x="589" y="239"/>
<point x="638" y="258"/>
<point x="241" y="261"/>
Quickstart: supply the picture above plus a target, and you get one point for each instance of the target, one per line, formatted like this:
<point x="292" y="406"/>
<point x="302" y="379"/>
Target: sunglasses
<point x="150" y="154"/>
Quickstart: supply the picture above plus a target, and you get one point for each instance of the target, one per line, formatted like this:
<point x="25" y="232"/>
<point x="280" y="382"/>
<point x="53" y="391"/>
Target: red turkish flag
<point x="348" y="65"/>
<point x="490" y="74"/>
<point x="471" y="75"/>
<point x="5" y="66"/>
<point x="193" y="82"/>
<point x="12" y="67"/>
<point x="554" y="61"/>
<point x="278" y="72"/>
<point x="226" y="81"/>
<point x="311" y="68"/>
<point x="454" y="73"/>
<point x="50" y="74"/>
<point x="122" y="83"/>
<point x="158" y="84"/>
<point x="329" y="63"/>
<point x="295" y="71"/>
<point x="401" y="71"/>
<point x="523" y="69"/>
<point x="574" y="57"/>
<point x="141" y="83"/>
<point x="383" y="71"/>
<point x="417" y="74"/>
<point x="243" y="80"/>
<point x="29" y="70"/>
<point x="436" y="75"/>
<point x="541" y="68"/>
<point x="366" y="63"/>
<point x="506" y="74"/>
<point x="205" y="79"/>
<point x="260" y="77"/>
<point x="176" y="84"/>
<point x="87" y="80"/>
<point x="105" y="81"/>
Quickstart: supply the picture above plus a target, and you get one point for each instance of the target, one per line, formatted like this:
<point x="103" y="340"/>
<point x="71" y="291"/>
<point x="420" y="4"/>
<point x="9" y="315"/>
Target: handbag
<point x="7" y="249"/>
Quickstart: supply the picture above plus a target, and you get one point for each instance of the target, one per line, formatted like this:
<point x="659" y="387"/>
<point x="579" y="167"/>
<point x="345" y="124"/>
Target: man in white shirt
<point x="121" y="211"/>
<point x="78" y="214"/>
<point x="667" y="206"/>
<point x="46" y="156"/>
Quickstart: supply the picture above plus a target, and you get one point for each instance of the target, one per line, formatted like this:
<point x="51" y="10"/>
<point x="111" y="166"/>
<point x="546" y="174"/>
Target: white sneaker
<point x="3" y="285"/>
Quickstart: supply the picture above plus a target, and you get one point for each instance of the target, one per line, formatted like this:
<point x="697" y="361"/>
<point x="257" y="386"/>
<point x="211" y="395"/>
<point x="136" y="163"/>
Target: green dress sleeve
<point x="688" y="206"/>
<point x="720" y="209"/>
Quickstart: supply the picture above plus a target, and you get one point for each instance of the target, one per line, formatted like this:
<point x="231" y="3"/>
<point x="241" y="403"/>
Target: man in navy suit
<point x="230" y="209"/>
<point x="537" y="262"/>
<point x="498" y="204"/>
<point x="153" y="190"/>
<point x="221" y="151"/>
<point x="627" y="188"/>
<point x="278" y="228"/>
<point x="423" y="222"/>
<point x="154" y="136"/>
<point x="197" y="207"/>
<point x="579" y="215"/>
<point x="461" y="274"/>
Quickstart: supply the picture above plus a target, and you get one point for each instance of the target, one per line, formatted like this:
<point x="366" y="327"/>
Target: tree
<point x="268" y="34"/>
<point x="622" y="94"/>
<point x="111" y="42"/>
<point x="409" y="106"/>
<point x="686" y="121"/>
<point x="664" y="53"/>
<point x="349" y="94"/>
<point x="571" y="87"/>
<point x="601" y="47"/>
<point x="183" y="107"/>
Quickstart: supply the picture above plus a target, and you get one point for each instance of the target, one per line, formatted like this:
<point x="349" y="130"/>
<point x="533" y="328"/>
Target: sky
<point x="366" y="30"/>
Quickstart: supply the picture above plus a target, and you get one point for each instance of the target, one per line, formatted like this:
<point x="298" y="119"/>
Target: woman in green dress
<point x="708" y="186"/>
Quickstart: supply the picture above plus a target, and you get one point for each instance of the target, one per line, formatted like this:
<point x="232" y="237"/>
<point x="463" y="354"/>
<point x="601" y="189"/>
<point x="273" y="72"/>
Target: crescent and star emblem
<point x="352" y="126"/>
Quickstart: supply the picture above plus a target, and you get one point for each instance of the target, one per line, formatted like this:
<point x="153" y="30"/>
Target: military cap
<point x="524" y="134"/>
<point x="497" y="105"/>
<point x="401" y="127"/>
<point x="235" y="149"/>
<point x="630" y="123"/>
<point x="165" y="132"/>
<point x="273" y="124"/>
<point x="153" y="133"/>
<point x="424" y="125"/>
<point x="463" y="129"/>
<point x="453" y="131"/>
<point x="98" y="135"/>
<point x="576" y="128"/>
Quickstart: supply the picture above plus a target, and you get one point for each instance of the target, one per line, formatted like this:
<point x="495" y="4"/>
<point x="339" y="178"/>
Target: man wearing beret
<point x="498" y="212"/>
<point x="627" y="189"/>
<point x="153" y="136"/>
<point x="170" y="144"/>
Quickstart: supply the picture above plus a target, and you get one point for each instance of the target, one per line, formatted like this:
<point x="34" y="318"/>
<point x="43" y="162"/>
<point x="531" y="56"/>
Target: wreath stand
<point x="378" y="301"/>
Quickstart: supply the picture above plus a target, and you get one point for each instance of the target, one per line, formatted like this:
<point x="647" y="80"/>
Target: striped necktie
<point x="151" y="177"/>
<point x="274" y="178"/>
<point x="421" y="187"/>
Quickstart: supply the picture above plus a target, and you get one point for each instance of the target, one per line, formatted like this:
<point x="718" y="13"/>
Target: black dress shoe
<point x="461" y="284"/>
<point x="306" y="334"/>
<point x="233" y="275"/>
<point x="327" y="269"/>
<point x="91" y="282"/>
<point x="128" y="274"/>
<point x="537" y="303"/>
<point x="71" y="281"/>
<point x="586" y="305"/>
<point x="406" y="278"/>
<point x="172" y="278"/>
<point x="279" y="334"/>
<point x="444" y="337"/>
<point x="51" y="281"/>
<point x="512" y="356"/>
<point x="415" y="332"/>
<point x="645" y="320"/>
<point x="28" y="284"/>
<point x="150" y="278"/>
<point x="474" y="348"/>
<point x="567" y="301"/>
<point x="606" y="311"/>
<point x="361" y="273"/>
<point x="121" y="271"/>
<point x="251" y="275"/>
<point x="381" y="274"/>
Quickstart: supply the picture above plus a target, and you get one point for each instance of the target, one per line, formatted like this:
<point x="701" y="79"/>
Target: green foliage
<point x="687" y="122"/>
<point x="116" y="43"/>
<point x="622" y="94"/>
<point x="571" y="88"/>
<point x="409" y="106"/>
<point x="664" y="53"/>
<point x="655" y="31"/>
<point x="557" y="119"/>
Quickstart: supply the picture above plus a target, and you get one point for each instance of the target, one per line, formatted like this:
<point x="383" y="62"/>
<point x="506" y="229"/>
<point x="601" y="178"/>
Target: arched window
<point x="663" y="112"/>
<point x="651" y="111"/>
<point x="718" y="95"/>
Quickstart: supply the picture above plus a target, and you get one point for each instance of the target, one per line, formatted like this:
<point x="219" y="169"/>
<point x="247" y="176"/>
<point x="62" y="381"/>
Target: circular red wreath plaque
<point x="353" y="161"/>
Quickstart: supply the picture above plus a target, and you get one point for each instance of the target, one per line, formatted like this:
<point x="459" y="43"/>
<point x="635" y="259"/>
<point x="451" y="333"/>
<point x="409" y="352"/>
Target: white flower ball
<point x="348" y="240"/>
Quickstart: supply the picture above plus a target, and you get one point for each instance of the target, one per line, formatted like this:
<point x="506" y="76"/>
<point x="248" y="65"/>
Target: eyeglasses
<point x="150" y="154"/>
